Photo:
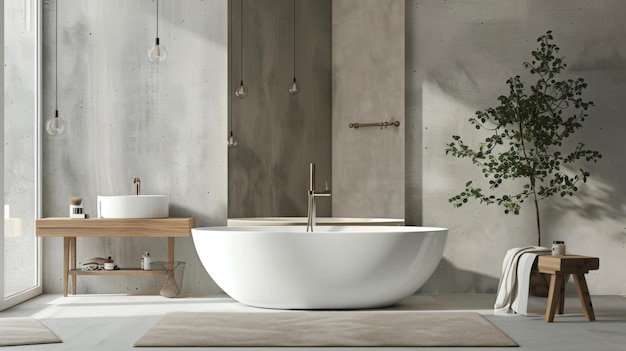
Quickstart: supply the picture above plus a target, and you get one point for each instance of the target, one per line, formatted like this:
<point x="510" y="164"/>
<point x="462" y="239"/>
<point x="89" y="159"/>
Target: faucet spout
<point x="136" y="185"/>
<point x="312" y="195"/>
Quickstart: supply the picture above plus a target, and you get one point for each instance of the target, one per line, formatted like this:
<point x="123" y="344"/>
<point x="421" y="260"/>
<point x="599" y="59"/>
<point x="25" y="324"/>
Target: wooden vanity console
<point x="70" y="229"/>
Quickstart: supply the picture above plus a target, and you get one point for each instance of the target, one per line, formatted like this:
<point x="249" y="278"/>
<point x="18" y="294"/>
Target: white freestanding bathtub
<point x="335" y="267"/>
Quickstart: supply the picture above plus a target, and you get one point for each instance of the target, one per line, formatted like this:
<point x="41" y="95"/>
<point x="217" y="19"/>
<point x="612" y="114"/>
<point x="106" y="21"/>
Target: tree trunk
<point x="538" y="220"/>
<point x="539" y="282"/>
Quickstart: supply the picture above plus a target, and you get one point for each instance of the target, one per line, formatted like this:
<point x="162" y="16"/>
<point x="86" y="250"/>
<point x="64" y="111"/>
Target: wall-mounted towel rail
<point x="382" y="125"/>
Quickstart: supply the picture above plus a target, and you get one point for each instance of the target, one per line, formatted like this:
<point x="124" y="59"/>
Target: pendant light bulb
<point x="55" y="125"/>
<point x="293" y="87"/>
<point x="241" y="91"/>
<point x="231" y="140"/>
<point x="157" y="54"/>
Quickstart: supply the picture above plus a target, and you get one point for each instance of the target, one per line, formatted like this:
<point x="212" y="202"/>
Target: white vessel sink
<point x="133" y="206"/>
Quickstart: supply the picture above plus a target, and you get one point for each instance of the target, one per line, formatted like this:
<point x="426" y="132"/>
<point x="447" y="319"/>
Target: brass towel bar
<point x="382" y="125"/>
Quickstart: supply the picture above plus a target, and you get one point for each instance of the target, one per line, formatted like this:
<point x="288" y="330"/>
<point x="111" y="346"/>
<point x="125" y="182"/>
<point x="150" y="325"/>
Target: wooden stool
<point x="561" y="267"/>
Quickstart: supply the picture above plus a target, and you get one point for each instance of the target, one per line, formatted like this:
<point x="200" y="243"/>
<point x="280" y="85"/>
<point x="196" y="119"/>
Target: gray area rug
<point x="25" y="331"/>
<point x="324" y="328"/>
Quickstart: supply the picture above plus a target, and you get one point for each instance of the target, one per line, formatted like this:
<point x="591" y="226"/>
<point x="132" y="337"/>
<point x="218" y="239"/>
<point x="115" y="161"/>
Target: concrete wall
<point x="278" y="134"/>
<point x="368" y="86"/>
<point x="167" y="125"/>
<point x="128" y="118"/>
<point x="459" y="55"/>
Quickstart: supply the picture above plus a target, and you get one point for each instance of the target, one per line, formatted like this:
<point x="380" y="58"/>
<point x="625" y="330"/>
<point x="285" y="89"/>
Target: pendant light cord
<point x="56" y="61"/>
<point x="241" y="41"/>
<point x="230" y="73"/>
<point x="294" y="40"/>
<point x="157" y="18"/>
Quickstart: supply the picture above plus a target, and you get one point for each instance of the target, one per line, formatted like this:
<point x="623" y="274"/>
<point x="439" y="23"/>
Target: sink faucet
<point x="136" y="185"/>
<point x="310" y="223"/>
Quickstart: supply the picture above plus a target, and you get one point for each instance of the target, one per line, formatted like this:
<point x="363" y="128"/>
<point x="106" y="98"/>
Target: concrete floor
<point x="115" y="322"/>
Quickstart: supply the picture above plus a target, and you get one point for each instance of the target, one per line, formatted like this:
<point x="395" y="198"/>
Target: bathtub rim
<point x="287" y="220"/>
<point x="326" y="229"/>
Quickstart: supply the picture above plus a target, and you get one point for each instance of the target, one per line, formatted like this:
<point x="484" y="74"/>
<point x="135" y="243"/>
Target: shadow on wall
<point x="596" y="200"/>
<point x="450" y="279"/>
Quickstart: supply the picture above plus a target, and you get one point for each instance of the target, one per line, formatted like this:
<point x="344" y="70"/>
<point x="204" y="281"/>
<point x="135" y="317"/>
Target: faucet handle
<point x="321" y="192"/>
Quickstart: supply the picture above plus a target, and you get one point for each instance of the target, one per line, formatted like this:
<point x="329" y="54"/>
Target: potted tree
<point x="526" y="137"/>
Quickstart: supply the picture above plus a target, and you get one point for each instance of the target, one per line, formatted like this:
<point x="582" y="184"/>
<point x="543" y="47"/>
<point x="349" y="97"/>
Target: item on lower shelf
<point x="92" y="264"/>
<point x="146" y="261"/>
<point x="91" y="267"/>
<point x="109" y="265"/>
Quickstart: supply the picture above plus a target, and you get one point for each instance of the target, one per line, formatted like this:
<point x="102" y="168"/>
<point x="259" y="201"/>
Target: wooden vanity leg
<point x="170" y="252"/>
<point x="73" y="263"/>
<point x="66" y="262"/>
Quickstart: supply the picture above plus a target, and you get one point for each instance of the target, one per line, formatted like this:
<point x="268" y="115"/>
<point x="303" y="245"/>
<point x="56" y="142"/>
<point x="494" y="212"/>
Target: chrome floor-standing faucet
<point x="310" y="223"/>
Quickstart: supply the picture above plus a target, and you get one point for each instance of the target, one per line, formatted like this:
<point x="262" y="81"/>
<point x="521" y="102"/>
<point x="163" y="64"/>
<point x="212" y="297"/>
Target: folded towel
<point x="91" y="267"/>
<point x="507" y="289"/>
<point x="95" y="267"/>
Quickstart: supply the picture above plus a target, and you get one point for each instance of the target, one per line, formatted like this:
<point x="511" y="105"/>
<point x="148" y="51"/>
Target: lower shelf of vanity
<point x="121" y="271"/>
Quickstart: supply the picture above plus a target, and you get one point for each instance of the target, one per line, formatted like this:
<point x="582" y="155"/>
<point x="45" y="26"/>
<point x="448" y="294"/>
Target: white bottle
<point x="109" y="265"/>
<point x="146" y="261"/>
<point x="558" y="248"/>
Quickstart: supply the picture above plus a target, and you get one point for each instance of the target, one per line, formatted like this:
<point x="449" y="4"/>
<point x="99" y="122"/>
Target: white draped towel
<point x="514" y="282"/>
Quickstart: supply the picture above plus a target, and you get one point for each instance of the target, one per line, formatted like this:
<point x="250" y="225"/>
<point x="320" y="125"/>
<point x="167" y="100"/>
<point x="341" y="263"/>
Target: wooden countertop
<point x="98" y="227"/>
